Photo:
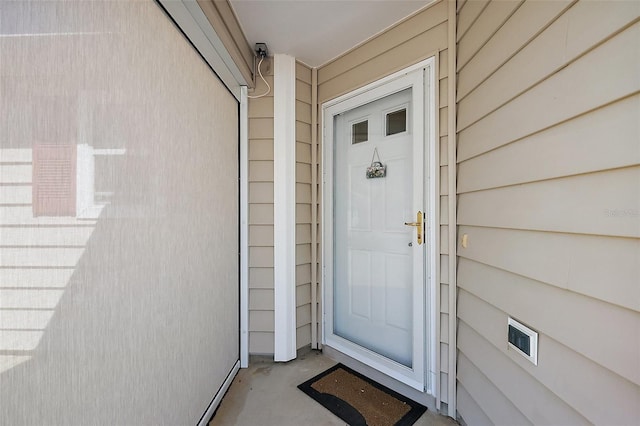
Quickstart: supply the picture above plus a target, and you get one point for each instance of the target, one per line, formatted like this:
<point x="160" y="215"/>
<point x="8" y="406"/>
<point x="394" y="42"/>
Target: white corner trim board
<point x="244" y="228"/>
<point x="284" y="209"/>
<point x="451" y="152"/>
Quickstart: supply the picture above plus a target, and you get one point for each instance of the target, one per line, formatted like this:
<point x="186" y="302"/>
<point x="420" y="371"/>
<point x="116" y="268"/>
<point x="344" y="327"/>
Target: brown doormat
<point x="360" y="401"/>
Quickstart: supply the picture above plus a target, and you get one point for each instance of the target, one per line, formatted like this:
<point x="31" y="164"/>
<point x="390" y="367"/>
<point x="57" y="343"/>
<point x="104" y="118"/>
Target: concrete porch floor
<point x="266" y="394"/>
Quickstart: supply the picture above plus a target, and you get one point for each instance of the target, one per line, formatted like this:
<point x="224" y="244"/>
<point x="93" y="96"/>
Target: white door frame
<point x="425" y="112"/>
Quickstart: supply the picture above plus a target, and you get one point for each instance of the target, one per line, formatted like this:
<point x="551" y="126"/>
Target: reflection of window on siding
<point x="95" y="188"/>
<point x="54" y="180"/>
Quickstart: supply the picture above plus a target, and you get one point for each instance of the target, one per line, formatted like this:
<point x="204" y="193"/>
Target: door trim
<point x="390" y="84"/>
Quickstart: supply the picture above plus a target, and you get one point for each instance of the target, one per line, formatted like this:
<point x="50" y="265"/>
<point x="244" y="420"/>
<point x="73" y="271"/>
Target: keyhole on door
<point x="410" y="244"/>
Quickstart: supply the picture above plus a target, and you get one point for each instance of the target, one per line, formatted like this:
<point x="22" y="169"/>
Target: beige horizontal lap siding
<point x="549" y="197"/>
<point x="419" y="37"/>
<point x="261" y="278"/>
<point x="411" y="41"/>
<point x="303" y="203"/>
<point x="443" y="236"/>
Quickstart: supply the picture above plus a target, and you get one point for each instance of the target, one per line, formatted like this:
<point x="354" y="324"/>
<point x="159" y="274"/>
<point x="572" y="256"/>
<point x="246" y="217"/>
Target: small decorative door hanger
<point x="376" y="169"/>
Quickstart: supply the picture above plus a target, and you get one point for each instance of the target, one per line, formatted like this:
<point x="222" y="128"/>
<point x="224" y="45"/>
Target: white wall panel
<point x="130" y="317"/>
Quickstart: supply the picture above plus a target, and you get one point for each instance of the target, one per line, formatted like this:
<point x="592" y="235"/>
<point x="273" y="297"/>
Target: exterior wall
<point x="411" y="41"/>
<point x="548" y="194"/>
<point x="303" y="205"/>
<point x="261" y="190"/>
<point x="261" y="272"/>
<point x="261" y="278"/>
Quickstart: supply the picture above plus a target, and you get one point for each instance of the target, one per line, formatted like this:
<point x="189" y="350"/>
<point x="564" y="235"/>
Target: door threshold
<point x="423" y="398"/>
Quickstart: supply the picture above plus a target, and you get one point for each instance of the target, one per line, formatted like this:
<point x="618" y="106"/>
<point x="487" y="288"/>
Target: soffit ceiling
<point x="316" y="31"/>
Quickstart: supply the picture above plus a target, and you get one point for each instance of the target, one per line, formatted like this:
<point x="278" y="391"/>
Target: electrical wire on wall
<point x="263" y="79"/>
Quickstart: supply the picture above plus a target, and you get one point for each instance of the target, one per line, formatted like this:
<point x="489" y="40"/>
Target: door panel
<point x="373" y="249"/>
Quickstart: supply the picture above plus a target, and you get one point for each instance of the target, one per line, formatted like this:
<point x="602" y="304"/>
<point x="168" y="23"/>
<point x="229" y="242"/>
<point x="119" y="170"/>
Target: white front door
<point x="378" y="258"/>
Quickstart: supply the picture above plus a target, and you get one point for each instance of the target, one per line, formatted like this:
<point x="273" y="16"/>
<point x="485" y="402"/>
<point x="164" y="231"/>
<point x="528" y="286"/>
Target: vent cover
<point x="523" y="340"/>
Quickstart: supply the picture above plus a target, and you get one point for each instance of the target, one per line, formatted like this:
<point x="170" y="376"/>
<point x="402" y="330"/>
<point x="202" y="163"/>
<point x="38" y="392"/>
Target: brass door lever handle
<point x="418" y="225"/>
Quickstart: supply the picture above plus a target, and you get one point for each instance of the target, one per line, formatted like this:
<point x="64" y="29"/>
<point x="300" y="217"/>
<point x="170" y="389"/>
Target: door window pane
<point x="360" y="132"/>
<point x="396" y="122"/>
